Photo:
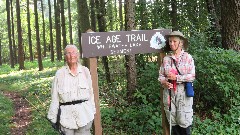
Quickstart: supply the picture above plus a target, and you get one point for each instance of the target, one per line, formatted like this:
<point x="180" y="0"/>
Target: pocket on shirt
<point x="83" y="86"/>
<point x="83" y="89"/>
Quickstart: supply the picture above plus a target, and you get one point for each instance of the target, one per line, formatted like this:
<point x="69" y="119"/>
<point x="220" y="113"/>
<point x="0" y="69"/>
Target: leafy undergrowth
<point x="6" y="107"/>
<point x="141" y="117"/>
<point x="35" y="86"/>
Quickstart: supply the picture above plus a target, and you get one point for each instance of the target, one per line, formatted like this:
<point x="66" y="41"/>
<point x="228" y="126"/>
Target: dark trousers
<point x="177" y="130"/>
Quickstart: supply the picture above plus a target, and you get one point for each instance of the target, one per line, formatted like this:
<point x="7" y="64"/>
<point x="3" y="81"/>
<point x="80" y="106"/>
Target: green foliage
<point x="217" y="83"/>
<point x="6" y="109"/>
<point x="217" y="88"/>
<point x="35" y="86"/>
<point x="221" y="124"/>
<point x="216" y="103"/>
<point x="141" y="117"/>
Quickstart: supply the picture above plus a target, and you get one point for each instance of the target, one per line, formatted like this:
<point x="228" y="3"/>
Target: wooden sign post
<point x="96" y="44"/>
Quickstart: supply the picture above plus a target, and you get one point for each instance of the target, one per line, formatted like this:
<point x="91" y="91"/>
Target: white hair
<point x="70" y="46"/>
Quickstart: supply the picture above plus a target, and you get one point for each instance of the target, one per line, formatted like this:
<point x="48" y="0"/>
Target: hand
<point x="167" y="84"/>
<point x="171" y="76"/>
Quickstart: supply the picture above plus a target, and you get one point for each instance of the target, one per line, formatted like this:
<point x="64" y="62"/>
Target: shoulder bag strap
<point x="174" y="62"/>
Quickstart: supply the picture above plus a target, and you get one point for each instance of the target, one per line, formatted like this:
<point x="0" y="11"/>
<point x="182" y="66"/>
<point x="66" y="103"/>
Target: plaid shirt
<point x="185" y="65"/>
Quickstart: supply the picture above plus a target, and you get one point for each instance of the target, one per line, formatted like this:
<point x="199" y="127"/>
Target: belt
<point x="73" y="102"/>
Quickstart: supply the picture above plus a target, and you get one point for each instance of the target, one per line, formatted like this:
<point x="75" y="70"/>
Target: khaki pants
<point x="181" y="107"/>
<point x="80" y="131"/>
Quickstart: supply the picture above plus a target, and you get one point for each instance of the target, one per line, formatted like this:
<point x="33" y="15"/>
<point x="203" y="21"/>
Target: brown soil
<point x="21" y="118"/>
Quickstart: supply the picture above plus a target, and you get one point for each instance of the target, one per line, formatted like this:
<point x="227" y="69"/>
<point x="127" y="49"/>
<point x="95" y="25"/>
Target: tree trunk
<point x="143" y="26"/>
<point x="115" y="14"/>
<point x="78" y="25"/>
<point x="50" y="30"/>
<point x="143" y="15"/>
<point x="100" y="6"/>
<point x="0" y="50"/>
<point x="130" y="59"/>
<point x="40" y="66"/>
<point x="70" y="22"/>
<point x="215" y="24"/>
<point x="15" y="58"/>
<point x="9" y="34"/>
<point x="230" y="14"/>
<point x="174" y="15"/>
<point x="120" y="15"/>
<point x="93" y="16"/>
<point x="58" y="29"/>
<point x="63" y="24"/>
<point x="44" y="37"/>
<point x="84" y="22"/>
<point x="20" y="45"/>
<point x="110" y="15"/>
<point x="29" y="33"/>
<point x="84" y="15"/>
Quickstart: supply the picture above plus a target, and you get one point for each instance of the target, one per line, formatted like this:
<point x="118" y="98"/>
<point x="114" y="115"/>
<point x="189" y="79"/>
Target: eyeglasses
<point x="71" y="53"/>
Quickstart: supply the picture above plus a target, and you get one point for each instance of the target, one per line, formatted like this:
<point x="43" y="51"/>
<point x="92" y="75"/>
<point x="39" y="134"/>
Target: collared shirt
<point x="67" y="87"/>
<point x="185" y="65"/>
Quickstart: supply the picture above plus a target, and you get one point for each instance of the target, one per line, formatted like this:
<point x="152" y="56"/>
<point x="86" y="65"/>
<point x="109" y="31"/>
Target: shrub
<point x="217" y="78"/>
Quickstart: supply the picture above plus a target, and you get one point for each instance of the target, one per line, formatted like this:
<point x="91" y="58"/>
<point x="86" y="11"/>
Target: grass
<point x="6" y="109"/>
<point x="35" y="86"/>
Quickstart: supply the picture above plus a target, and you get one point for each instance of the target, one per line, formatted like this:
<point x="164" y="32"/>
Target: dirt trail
<point x="21" y="118"/>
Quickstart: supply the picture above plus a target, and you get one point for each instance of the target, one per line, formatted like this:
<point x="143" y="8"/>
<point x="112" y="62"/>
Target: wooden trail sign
<point x="96" y="44"/>
<point x="122" y="42"/>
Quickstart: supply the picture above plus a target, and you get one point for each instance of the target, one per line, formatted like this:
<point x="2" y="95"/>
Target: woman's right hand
<point x="167" y="84"/>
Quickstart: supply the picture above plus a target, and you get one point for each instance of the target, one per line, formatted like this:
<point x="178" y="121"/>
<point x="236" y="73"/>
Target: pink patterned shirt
<point x="184" y="63"/>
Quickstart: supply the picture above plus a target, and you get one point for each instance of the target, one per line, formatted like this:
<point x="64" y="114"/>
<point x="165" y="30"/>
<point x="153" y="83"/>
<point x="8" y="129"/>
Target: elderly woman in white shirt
<point x="72" y="93"/>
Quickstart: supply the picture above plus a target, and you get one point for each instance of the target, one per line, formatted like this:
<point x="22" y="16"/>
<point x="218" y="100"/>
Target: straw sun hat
<point x="176" y="34"/>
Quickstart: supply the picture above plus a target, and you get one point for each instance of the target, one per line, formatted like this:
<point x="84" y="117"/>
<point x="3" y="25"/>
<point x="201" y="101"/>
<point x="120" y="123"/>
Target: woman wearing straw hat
<point x="177" y="68"/>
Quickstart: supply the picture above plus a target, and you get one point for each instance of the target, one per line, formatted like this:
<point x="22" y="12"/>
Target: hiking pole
<point x="39" y="100"/>
<point x="170" y="120"/>
<point x="42" y="115"/>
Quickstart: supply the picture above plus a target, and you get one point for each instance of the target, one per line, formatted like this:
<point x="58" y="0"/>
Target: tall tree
<point x="100" y="6"/>
<point x="120" y="15"/>
<point x="116" y="14"/>
<point x="93" y="15"/>
<point x="79" y="25"/>
<point x="70" y="22"/>
<point x="40" y="66"/>
<point x="29" y="33"/>
<point x="130" y="59"/>
<point x="50" y="31"/>
<point x="20" y="44"/>
<point x="44" y="37"/>
<point x="0" y="49"/>
<point x="13" y="36"/>
<point x="58" y="29"/>
<point x="84" y="22"/>
<point x="9" y="33"/>
<point x="215" y="27"/>
<point x="63" y="23"/>
<point x="110" y="14"/>
<point x="230" y="14"/>
<point x="143" y="15"/>
<point x="174" y="15"/>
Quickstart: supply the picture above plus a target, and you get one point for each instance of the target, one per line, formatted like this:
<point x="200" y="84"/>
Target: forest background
<point x="34" y="33"/>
